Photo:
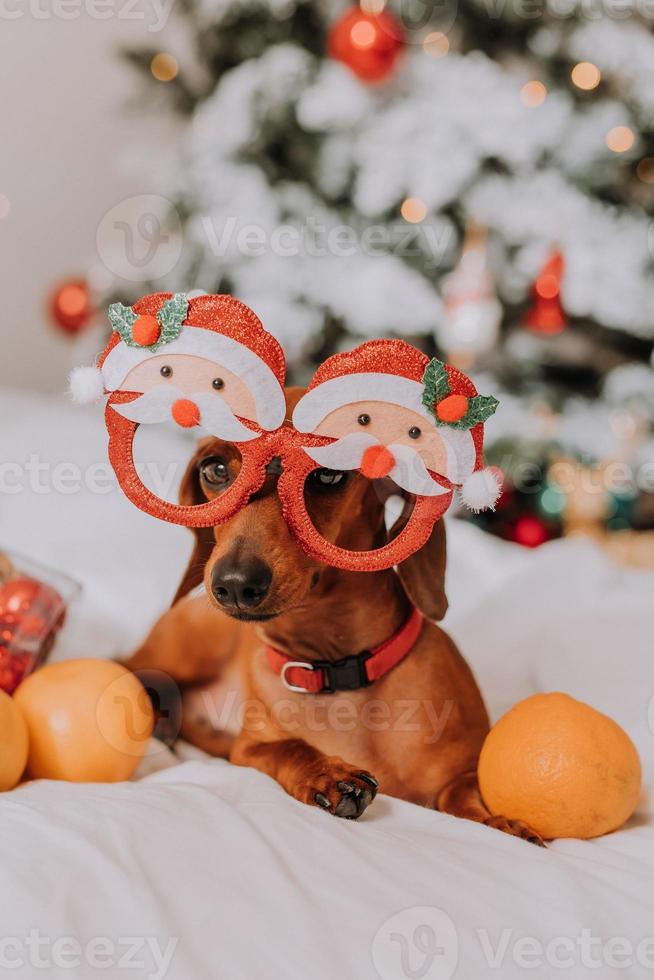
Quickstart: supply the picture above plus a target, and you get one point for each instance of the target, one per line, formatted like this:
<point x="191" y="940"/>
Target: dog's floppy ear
<point x="190" y="493"/>
<point x="423" y="575"/>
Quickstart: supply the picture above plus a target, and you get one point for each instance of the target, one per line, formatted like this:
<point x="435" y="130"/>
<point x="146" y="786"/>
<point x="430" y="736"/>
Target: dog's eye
<point x="363" y="419"/>
<point x="214" y="472"/>
<point x="218" y="384"/>
<point x="166" y="371"/>
<point x="328" y="478"/>
<point x="415" y="432"/>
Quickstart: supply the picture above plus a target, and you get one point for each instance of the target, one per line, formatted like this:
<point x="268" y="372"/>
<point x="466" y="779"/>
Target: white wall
<point x="63" y="127"/>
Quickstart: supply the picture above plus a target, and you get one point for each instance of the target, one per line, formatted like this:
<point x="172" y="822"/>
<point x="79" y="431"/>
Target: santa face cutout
<point x="192" y="392"/>
<point x="382" y="440"/>
<point x="413" y="421"/>
<point x="383" y="409"/>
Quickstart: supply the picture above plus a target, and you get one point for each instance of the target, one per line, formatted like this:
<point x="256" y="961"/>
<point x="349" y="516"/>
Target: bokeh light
<point x="645" y="170"/>
<point x="620" y="139"/>
<point x="164" y="67"/>
<point x="586" y="76"/>
<point x="363" y="34"/>
<point x="413" y="210"/>
<point x="533" y="94"/>
<point x="436" y="44"/>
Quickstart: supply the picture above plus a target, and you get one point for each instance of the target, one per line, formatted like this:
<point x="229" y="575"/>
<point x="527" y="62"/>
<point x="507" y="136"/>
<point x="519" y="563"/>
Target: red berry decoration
<point x="70" y="306"/>
<point x="452" y="408"/>
<point x="146" y="331"/>
<point x="369" y="44"/>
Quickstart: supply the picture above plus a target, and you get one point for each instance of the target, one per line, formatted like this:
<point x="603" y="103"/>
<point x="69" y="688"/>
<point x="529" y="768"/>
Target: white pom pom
<point x="85" y="385"/>
<point x="481" y="490"/>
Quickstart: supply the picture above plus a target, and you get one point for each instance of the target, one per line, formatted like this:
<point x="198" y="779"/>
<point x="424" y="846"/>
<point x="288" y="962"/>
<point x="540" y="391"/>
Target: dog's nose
<point x="241" y="585"/>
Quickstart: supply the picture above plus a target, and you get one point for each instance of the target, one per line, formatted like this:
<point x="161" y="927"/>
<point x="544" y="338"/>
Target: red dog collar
<point x="350" y="673"/>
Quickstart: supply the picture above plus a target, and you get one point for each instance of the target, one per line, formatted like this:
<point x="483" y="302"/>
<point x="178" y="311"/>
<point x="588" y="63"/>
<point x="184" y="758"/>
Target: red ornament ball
<point x="18" y="595"/>
<point x="369" y="44"/>
<point x="70" y="306"/>
<point x="530" y="532"/>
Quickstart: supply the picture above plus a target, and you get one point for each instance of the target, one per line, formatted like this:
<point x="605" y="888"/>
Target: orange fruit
<point x="88" y="720"/>
<point x="13" y="742"/>
<point x="562" y="767"/>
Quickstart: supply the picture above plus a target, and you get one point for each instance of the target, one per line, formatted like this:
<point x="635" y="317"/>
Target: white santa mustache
<point x="216" y="417"/>
<point x="409" y="472"/>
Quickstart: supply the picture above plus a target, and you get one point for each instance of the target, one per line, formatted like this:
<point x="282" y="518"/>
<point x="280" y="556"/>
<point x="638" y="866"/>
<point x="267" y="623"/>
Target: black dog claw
<point x="372" y="782"/>
<point x="322" y="801"/>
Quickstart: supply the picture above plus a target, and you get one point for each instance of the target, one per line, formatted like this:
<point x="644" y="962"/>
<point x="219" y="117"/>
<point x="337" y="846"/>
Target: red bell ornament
<point x="546" y="316"/>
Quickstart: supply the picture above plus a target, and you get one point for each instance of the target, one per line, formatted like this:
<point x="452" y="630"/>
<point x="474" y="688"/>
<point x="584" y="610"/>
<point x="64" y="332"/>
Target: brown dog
<point x="416" y="732"/>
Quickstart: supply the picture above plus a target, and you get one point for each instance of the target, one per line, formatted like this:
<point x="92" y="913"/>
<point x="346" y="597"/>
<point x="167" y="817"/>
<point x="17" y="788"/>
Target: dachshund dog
<point x="415" y="733"/>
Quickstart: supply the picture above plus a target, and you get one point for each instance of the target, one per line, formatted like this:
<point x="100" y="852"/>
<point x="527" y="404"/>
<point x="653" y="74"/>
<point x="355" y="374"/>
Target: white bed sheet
<point x="203" y="870"/>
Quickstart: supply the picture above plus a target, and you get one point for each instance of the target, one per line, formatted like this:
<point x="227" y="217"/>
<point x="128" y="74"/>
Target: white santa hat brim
<point x="377" y="386"/>
<point x="266" y="390"/>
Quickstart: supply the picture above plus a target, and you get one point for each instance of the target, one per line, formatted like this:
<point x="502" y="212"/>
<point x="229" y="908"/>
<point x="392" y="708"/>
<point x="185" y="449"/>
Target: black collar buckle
<point x="348" y="674"/>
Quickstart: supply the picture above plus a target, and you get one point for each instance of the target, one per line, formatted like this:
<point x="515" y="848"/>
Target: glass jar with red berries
<point x="33" y="604"/>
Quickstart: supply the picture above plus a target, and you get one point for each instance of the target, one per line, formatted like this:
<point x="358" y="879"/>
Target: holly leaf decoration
<point x="122" y="319"/>
<point x="436" y="385"/>
<point x="480" y="408"/>
<point x="170" y="317"/>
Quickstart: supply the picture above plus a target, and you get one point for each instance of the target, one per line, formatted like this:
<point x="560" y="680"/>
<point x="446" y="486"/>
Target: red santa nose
<point x="186" y="413"/>
<point x="377" y="462"/>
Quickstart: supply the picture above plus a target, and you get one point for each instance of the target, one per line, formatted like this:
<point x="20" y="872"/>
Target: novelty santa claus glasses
<point x="383" y="409"/>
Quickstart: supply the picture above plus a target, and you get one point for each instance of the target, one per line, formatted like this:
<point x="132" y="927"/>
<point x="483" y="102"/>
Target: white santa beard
<point x="216" y="417"/>
<point x="345" y="453"/>
<point x="409" y="472"/>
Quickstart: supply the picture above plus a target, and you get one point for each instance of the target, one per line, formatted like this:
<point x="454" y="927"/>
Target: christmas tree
<point x="477" y="178"/>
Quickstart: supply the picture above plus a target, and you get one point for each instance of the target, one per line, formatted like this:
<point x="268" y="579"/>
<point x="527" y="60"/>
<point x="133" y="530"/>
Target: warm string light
<point x="164" y="67"/>
<point x="533" y="94"/>
<point x="586" y="76"/>
<point x="413" y="210"/>
<point x="645" y="170"/>
<point x="620" y="139"/>
<point x="436" y="44"/>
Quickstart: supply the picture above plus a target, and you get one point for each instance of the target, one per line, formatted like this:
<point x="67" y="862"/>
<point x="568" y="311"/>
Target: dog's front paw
<point x="516" y="828"/>
<point x="343" y="790"/>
